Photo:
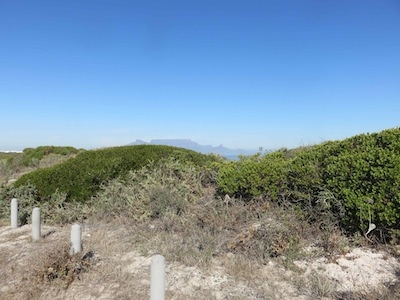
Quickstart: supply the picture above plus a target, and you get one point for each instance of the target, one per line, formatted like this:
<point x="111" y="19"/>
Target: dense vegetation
<point x="357" y="180"/>
<point x="80" y="177"/>
<point x="350" y="183"/>
<point x="31" y="156"/>
<point x="6" y="157"/>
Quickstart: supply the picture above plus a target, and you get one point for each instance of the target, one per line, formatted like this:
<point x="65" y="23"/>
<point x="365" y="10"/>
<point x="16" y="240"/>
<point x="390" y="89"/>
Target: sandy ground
<point x="118" y="270"/>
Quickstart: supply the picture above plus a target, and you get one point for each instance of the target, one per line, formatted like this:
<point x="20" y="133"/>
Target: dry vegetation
<point x="207" y="258"/>
<point x="215" y="248"/>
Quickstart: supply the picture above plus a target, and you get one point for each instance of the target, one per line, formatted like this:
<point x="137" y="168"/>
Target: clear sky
<point x="245" y="74"/>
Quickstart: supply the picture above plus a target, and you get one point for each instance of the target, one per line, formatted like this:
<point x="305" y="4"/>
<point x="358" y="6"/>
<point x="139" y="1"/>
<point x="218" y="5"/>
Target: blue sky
<point x="245" y="74"/>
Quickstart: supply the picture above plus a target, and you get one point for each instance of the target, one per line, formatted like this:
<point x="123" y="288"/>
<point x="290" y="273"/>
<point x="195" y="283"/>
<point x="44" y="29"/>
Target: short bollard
<point x="36" y="234"/>
<point x="14" y="213"/>
<point x="157" y="283"/>
<point x="76" y="236"/>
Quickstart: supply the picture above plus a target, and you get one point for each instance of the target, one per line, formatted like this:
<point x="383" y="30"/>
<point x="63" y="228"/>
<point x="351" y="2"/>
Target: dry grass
<point x="385" y="292"/>
<point x="46" y="270"/>
<point x="117" y="270"/>
<point x="317" y="286"/>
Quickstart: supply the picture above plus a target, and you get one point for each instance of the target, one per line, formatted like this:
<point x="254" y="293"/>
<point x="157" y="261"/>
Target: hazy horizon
<point x="250" y="150"/>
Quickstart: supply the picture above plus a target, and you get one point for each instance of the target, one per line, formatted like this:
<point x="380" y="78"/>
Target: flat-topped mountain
<point x="191" y="145"/>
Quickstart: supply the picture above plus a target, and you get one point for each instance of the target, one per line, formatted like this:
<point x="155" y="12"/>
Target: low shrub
<point x="254" y="175"/>
<point x="356" y="181"/>
<point x="57" y="210"/>
<point x="361" y="174"/>
<point x="81" y="176"/>
<point x="158" y="189"/>
<point x="31" y="156"/>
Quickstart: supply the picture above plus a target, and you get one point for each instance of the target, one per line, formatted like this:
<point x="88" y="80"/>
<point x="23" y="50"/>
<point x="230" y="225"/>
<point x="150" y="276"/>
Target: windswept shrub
<point x="355" y="181"/>
<point x="80" y="177"/>
<point x="361" y="173"/>
<point x="31" y="156"/>
<point x="364" y="173"/>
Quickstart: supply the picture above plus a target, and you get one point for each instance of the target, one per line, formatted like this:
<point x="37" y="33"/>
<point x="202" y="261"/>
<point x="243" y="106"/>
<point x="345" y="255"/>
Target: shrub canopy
<point x="357" y="179"/>
<point x="32" y="155"/>
<point x="80" y="177"/>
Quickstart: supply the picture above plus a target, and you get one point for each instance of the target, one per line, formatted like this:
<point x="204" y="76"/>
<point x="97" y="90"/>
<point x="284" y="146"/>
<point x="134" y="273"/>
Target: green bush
<point x="304" y="174"/>
<point x="364" y="173"/>
<point x="80" y="177"/>
<point x="361" y="173"/>
<point x="31" y="156"/>
<point x="254" y="175"/>
<point x="351" y="180"/>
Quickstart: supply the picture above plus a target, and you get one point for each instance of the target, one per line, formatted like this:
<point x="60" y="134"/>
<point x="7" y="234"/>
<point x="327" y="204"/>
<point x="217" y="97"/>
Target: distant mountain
<point x="189" y="144"/>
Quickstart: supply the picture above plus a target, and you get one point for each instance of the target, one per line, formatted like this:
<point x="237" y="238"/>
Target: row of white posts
<point x="157" y="272"/>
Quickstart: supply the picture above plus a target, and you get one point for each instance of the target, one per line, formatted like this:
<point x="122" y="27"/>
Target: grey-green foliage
<point x="11" y="164"/>
<point x="55" y="211"/>
<point x="152" y="191"/>
<point x="27" y="200"/>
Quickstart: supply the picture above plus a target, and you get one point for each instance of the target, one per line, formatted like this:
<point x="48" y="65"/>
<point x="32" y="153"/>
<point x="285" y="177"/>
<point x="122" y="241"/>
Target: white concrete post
<point x="14" y="213"/>
<point x="157" y="283"/>
<point x="36" y="235"/>
<point x="76" y="239"/>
